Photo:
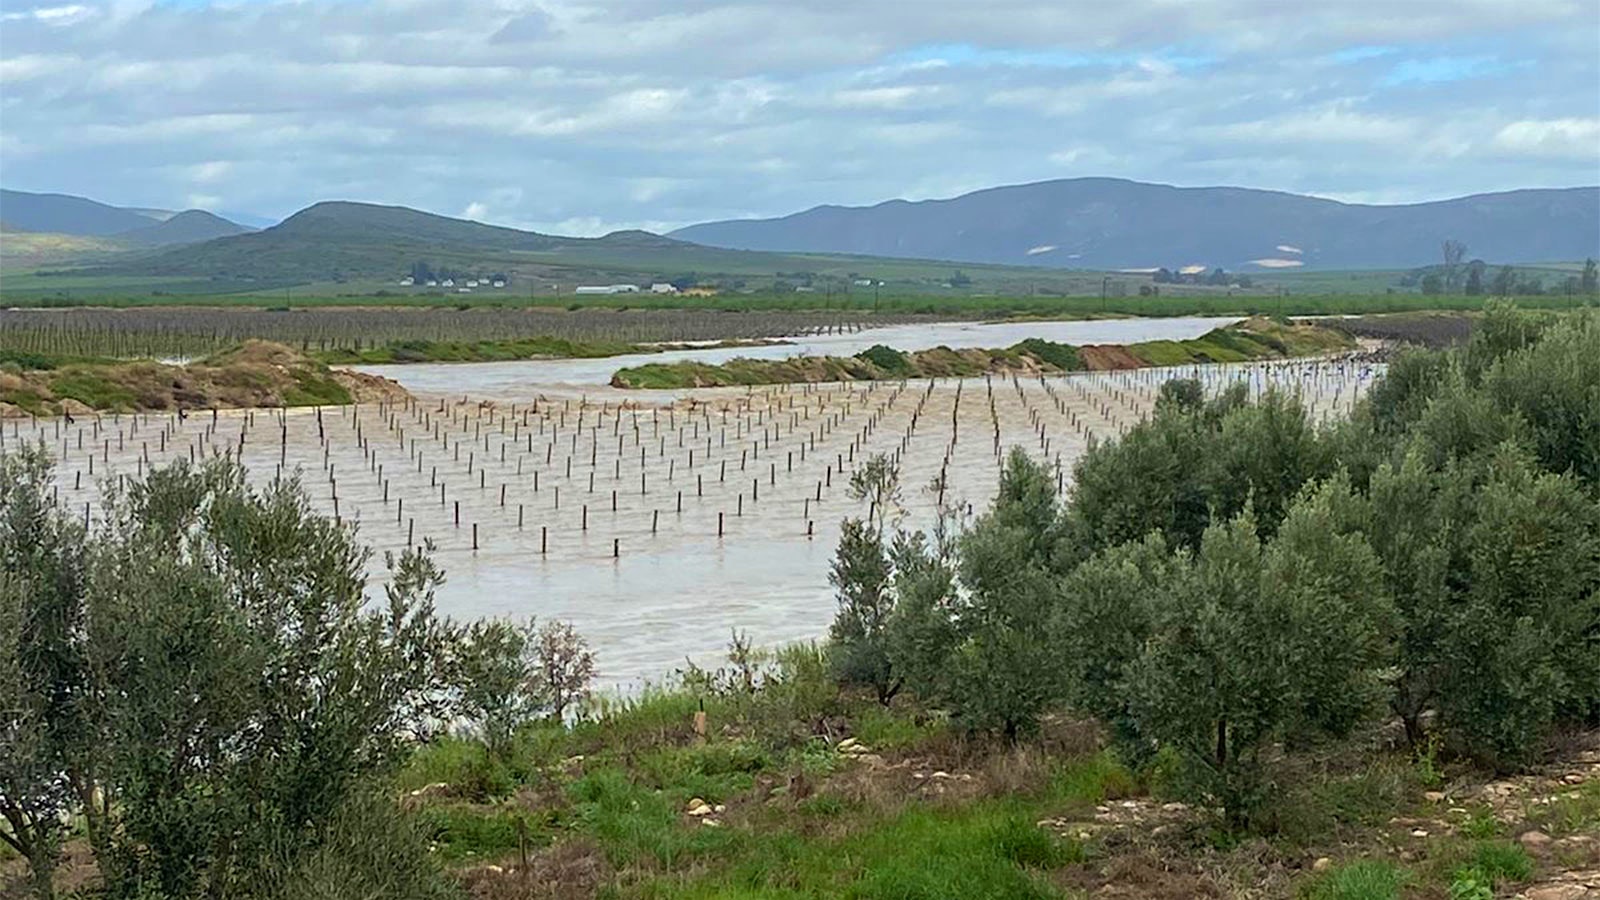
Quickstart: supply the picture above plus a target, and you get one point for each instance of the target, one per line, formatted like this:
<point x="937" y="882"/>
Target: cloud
<point x="50" y="15"/>
<point x="1575" y="139"/>
<point x="585" y="116"/>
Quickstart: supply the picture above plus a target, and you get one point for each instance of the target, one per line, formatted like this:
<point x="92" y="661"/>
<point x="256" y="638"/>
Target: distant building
<point x="499" y="284"/>
<point x="407" y="281"/>
<point x="472" y="284"/>
<point x="700" y="292"/>
<point x="607" y="289"/>
<point x="448" y="282"/>
<point x="433" y="282"/>
<point x="863" y="282"/>
<point x="463" y="290"/>
<point x="663" y="288"/>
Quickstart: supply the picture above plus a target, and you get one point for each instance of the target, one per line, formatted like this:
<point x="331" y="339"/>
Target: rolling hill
<point x="1107" y="223"/>
<point x="342" y="240"/>
<point x="188" y="227"/>
<point x="66" y="214"/>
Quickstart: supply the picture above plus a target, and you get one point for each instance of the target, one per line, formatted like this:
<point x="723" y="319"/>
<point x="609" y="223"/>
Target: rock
<point x="1556" y="892"/>
<point x="719" y="808"/>
<point x="430" y="790"/>
<point x="1433" y="796"/>
<point x="1419" y="833"/>
<point x="1174" y="807"/>
<point x="1533" y="839"/>
<point x="940" y="775"/>
<point x="711" y="823"/>
<point x="1573" y="778"/>
<point x="698" y="807"/>
<point x="1322" y="864"/>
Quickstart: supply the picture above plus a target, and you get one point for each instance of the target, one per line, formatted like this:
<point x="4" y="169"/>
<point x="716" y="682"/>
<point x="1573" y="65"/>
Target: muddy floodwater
<point x="655" y="522"/>
<point x="526" y="379"/>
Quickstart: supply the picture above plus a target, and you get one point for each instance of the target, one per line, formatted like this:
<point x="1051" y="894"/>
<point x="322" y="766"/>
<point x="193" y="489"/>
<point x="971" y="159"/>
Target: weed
<point x="1362" y="880"/>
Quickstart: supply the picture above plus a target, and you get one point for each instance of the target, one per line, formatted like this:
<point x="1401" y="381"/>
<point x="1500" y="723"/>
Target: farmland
<point x="689" y="507"/>
<point x="351" y="334"/>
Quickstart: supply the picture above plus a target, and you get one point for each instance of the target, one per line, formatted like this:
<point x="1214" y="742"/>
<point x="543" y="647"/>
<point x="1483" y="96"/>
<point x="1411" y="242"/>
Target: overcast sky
<point x="585" y="117"/>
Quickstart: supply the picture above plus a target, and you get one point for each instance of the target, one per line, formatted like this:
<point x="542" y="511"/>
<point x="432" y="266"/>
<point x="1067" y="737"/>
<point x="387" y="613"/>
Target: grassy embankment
<point x="1253" y="339"/>
<point x="811" y="792"/>
<point x="253" y="374"/>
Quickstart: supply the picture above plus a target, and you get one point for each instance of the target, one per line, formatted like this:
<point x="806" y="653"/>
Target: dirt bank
<point x="253" y="374"/>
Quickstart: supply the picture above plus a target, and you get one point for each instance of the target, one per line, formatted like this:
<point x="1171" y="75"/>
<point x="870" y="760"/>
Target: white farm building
<point x="607" y="289"/>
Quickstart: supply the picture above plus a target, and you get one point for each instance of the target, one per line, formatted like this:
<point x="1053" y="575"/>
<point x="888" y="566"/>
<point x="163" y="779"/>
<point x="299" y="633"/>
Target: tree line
<point x="1228" y="580"/>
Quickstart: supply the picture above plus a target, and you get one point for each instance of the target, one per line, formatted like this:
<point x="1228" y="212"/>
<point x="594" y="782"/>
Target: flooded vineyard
<point x="656" y="529"/>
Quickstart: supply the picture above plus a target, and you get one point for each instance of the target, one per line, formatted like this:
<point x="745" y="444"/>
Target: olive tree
<point x="1252" y="643"/>
<point x="1004" y="671"/>
<point x="43" y="736"/>
<point x="243" y="689"/>
<point x="510" y="674"/>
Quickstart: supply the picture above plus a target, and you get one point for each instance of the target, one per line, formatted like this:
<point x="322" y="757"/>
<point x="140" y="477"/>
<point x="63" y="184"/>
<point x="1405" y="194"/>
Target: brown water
<point x="650" y="581"/>
<point x="526" y="379"/>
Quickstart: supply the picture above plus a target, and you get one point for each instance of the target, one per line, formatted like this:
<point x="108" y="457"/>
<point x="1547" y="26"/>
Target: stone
<point x="1174" y="807"/>
<point x="698" y="807"/>
<point x="1322" y="864"/>
<point x="1419" y="833"/>
<point x="1556" y="892"/>
<point x="1433" y="796"/>
<point x="1532" y="839"/>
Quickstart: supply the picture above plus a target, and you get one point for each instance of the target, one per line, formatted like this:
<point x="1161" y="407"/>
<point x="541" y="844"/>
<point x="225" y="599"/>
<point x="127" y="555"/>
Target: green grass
<point x="990" y="850"/>
<point x="93" y="389"/>
<point x="315" y="389"/>
<point x="1501" y="862"/>
<point x="1362" y="880"/>
<point x="465" y="832"/>
<point x="1572" y="814"/>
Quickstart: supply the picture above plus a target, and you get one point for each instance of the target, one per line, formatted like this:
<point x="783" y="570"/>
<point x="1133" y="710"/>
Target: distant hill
<point x="341" y="240"/>
<point x="66" y="214"/>
<point x="1107" y="223"/>
<point x="188" y="227"/>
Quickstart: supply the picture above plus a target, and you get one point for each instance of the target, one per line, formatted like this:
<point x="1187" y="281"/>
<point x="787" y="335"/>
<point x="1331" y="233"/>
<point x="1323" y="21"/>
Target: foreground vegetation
<point x="1243" y="657"/>
<point x="252" y="375"/>
<point x="1254" y="339"/>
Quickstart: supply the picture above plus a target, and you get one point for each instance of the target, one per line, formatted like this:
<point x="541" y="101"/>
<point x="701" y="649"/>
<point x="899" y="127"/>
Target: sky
<point x="586" y="117"/>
